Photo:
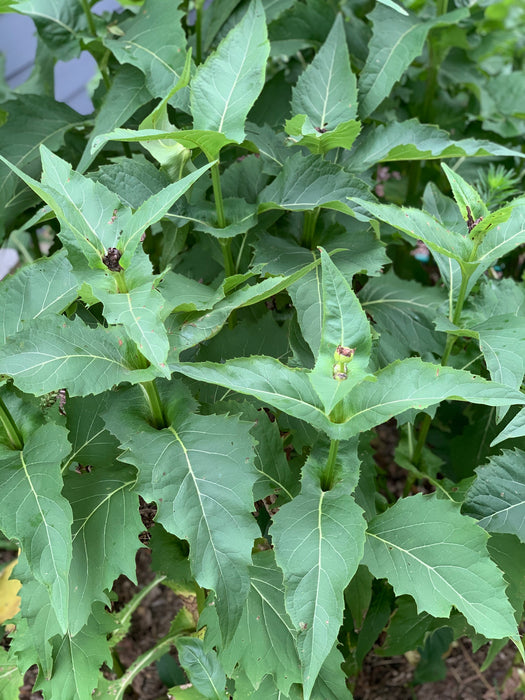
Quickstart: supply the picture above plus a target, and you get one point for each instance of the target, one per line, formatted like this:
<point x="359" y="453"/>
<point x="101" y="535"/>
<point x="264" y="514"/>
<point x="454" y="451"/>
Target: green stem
<point x="451" y="339"/>
<point x="155" y="405"/>
<point x="89" y="17"/>
<point x="10" y="427"/>
<point x="160" y="648"/>
<point x="229" y="265"/>
<point x="198" y="34"/>
<point x="328" y="474"/>
<point x="124" y="616"/>
<point x="309" y="224"/>
<point x="217" y="193"/>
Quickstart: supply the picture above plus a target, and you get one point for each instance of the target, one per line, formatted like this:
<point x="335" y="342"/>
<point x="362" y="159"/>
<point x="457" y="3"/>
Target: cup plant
<point x="218" y="304"/>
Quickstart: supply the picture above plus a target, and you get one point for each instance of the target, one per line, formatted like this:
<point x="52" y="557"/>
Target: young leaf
<point x="466" y="196"/>
<point x="344" y="325"/>
<point x="319" y="539"/>
<point x="228" y="83"/>
<point x="427" y="549"/>
<point x="326" y="91"/>
<point x="203" y="668"/>
<point x="497" y="496"/>
<point x="396" y="41"/>
<point x="51" y="354"/>
<point x="32" y="486"/>
<point x="11" y="679"/>
<point x="203" y="497"/>
<point x="514" y="429"/>
<point x="140" y="312"/>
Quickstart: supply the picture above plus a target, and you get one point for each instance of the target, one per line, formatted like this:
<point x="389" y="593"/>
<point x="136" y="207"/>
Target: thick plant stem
<point x="198" y="33"/>
<point x="328" y="475"/>
<point x="309" y="224"/>
<point x="156" y="652"/>
<point x="89" y="17"/>
<point x="157" y="412"/>
<point x="125" y="614"/>
<point x="10" y="427"/>
<point x="217" y="193"/>
<point x="451" y="339"/>
<point x="229" y="265"/>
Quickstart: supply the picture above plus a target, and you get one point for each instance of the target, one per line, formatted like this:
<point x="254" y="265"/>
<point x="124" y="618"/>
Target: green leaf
<point x="151" y="211"/>
<point x="20" y="138"/>
<point x="326" y="92"/>
<point x="33" y="511"/>
<point x="319" y="539"/>
<point x="210" y="142"/>
<point x="43" y="287"/>
<point x="410" y="140"/>
<point x="127" y="93"/>
<point x="77" y="660"/>
<point x="307" y="182"/>
<point x="11" y="679"/>
<point x="303" y="26"/>
<point x="404" y="311"/>
<point x="49" y="355"/>
<point x="203" y="668"/>
<point x="89" y="229"/>
<point x="264" y="642"/>
<point x="344" y="324"/>
<point x="230" y="80"/>
<point x="422" y="226"/>
<point x="465" y="195"/>
<point x="412" y="383"/>
<point x="514" y="429"/>
<point x="396" y="41"/>
<point x="202" y="496"/>
<point x="427" y="549"/>
<point x="265" y="378"/>
<point x="106" y="526"/>
<point x="497" y="497"/>
<point x="60" y="25"/>
<point x="342" y="136"/>
<point x="141" y="314"/>
<point x="154" y="42"/>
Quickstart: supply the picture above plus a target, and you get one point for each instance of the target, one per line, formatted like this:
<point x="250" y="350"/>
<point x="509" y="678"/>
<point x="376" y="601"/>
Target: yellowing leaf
<point x="9" y="587"/>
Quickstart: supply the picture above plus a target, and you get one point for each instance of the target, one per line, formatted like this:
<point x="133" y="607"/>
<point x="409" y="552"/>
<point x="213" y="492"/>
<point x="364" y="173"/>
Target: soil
<point x="380" y="679"/>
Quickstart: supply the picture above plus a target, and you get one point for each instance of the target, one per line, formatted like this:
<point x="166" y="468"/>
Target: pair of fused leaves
<point x="222" y="91"/>
<point x="320" y="535"/>
<point x="93" y="221"/>
<point x="344" y="408"/>
<point x="464" y="246"/>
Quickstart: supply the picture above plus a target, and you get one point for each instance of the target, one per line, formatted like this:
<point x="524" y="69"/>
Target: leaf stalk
<point x="328" y="474"/>
<point x="13" y="433"/>
<point x="151" y="392"/>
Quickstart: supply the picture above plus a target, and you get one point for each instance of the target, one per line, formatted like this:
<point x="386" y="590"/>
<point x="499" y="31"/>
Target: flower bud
<point x="344" y="354"/>
<point x="338" y="372"/>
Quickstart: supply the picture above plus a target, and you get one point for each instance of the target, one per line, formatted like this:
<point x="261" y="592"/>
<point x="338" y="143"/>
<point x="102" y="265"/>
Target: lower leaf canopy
<point x="426" y="548"/>
<point x="203" y="494"/>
